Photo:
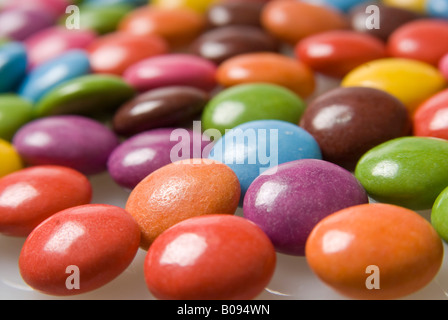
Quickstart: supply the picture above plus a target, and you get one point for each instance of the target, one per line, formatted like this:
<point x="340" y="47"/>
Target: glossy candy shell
<point x="216" y="257"/>
<point x="431" y="117"/>
<point x="13" y="64"/>
<point x="10" y="160"/>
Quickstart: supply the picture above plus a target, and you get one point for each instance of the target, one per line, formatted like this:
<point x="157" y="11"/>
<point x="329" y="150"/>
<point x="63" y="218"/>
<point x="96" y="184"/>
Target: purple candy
<point x="19" y="23"/>
<point x="287" y="201"/>
<point x="73" y="141"/>
<point x="148" y="151"/>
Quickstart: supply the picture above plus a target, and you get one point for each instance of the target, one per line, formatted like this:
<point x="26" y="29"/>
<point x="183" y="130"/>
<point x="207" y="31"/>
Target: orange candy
<point x="177" y="26"/>
<point x="269" y="68"/>
<point x="182" y="190"/>
<point x="291" y="21"/>
<point x="375" y="251"/>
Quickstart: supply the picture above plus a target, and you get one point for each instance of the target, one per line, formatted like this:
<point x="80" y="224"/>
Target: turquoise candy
<point x="13" y="64"/>
<point x="410" y="172"/>
<point x="49" y="75"/>
<point x="250" y="102"/>
<point x="15" y="111"/>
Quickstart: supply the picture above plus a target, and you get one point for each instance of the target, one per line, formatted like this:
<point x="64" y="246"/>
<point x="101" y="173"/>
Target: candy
<point x="342" y="5"/>
<point x="347" y="122"/>
<point x="55" y="7"/>
<point x="52" y="42"/>
<point x="375" y="251"/>
<point x="410" y="81"/>
<point x="157" y="108"/>
<point x="31" y="21"/>
<point x="431" y="117"/>
<point x="253" y="147"/>
<point x="437" y="8"/>
<point x="50" y="74"/>
<point x="387" y="19"/>
<point x="420" y="40"/>
<point x="289" y="200"/>
<point x="115" y="52"/>
<point x="414" y="5"/>
<point x="148" y="151"/>
<point x="408" y="171"/>
<point x="13" y="63"/>
<point x="100" y="3"/>
<point x="228" y="13"/>
<point x="439" y="215"/>
<point x="10" y="160"/>
<point x="199" y="6"/>
<point x="267" y="67"/>
<point x="291" y="21"/>
<point x="250" y="102"/>
<point x="336" y="53"/>
<point x="177" y="26"/>
<point x="182" y="190"/>
<point x="78" y="250"/>
<point x="172" y="69"/>
<point x="216" y="257"/>
<point x="220" y="44"/>
<point x="14" y="113"/>
<point x="89" y="95"/>
<point x="31" y="195"/>
<point x="73" y="141"/>
<point x="443" y="66"/>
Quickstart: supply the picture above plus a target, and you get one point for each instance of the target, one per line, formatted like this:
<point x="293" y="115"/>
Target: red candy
<point x="29" y="196"/>
<point x="215" y="257"/>
<point x="335" y="53"/>
<point x="79" y="249"/>
<point x="431" y="117"/>
<point x="424" y="40"/>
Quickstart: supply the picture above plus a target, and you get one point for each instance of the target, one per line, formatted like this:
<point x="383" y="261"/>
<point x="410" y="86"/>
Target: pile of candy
<point x="201" y="109"/>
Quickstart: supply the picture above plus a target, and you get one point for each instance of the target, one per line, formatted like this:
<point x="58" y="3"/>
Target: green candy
<point x="248" y="102"/>
<point x="14" y="113"/>
<point x="409" y="171"/>
<point x="91" y="95"/>
<point x="439" y="215"/>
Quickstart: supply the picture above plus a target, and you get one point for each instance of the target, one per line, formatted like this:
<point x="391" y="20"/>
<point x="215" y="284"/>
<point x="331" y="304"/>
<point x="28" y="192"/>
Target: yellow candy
<point x="10" y="160"/>
<point x="410" y="81"/>
<point x="413" y="5"/>
<point x="200" y="6"/>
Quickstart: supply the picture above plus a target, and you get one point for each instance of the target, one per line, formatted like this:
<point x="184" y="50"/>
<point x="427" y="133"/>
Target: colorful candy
<point x="439" y="215"/>
<point x="31" y="195"/>
<point x="250" y="102"/>
<point x="15" y="111"/>
<point x="230" y="13"/>
<point x="10" y="160"/>
<point x="414" y="5"/>
<point x="199" y="6"/>
<point x="182" y="190"/>
<point x="408" y="171"/>
<point x="73" y="141"/>
<point x="103" y="19"/>
<point x="289" y="200"/>
<point x="31" y="20"/>
<point x="375" y="251"/>
<point x="431" y="117"/>
<point x="348" y="122"/>
<point x="215" y="257"/>
<point x="437" y="8"/>
<point x="78" y="250"/>
<point x="13" y="66"/>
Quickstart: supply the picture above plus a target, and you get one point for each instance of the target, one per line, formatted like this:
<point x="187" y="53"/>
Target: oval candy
<point x="343" y="5"/>
<point x="336" y="53"/>
<point x="55" y="7"/>
<point x="348" y="122"/>
<point x="249" y="102"/>
<point x="267" y="67"/>
<point x="13" y="66"/>
<point x="182" y="190"/>
<point x="287" y="202"/>
<point x="410" y="81"/>
<point x="19" y="24"/>
<point x="439" y="215"/>
<point x="142" y="154"/>
<point x="200" y="253"/>
<point x="10" y="160"/>
<point x="96" y="242"/>
<point x="443" y="66"/>
<point x="431" y="117"/>
<point x="172" y="69"/>
<point x="368" y="246"/>
<point x="408" y="171"/>
<point x="413" y="5"/>
<point x="161" y="107"/>
<point x="31" y="195"/>
<point x="15" y="112"/>
<point x="230" y="13"/>
<point x="437" y="8"/>
<point x="73" y="141"/>
<point x="199" y="6"/>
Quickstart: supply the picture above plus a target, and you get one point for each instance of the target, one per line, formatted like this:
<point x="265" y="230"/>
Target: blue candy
<point x="437" y="8"/>
<point x="253" y="147"/>
<point x="342" y="5"/>
<point x="13" y="64"/>
<point x="44" y="78"/>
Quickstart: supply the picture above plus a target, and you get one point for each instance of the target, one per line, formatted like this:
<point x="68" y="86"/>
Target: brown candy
<point x="158" y="108"/>
<point x="234" y="13"/>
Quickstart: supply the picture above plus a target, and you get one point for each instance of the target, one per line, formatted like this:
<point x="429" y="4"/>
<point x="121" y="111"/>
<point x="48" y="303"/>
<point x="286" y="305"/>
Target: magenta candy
<point x="443" y="66"/>
<point x="55" y="7"/>
<point x="52" y="42"/>
<point x="287" y="201"/>
<point x="20" y="23"/>
<point x="73" y="141"/>
<point x="148" y="151"/>
<point x="172" y="69"/>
